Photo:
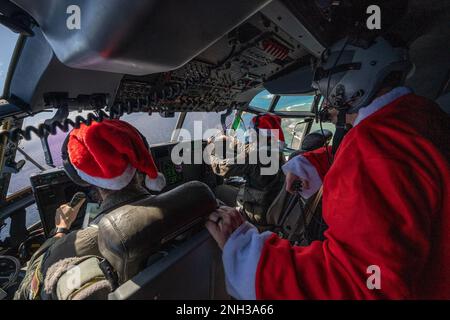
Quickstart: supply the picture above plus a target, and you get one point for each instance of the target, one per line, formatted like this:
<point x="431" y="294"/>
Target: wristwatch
<point x="59" y="230"/>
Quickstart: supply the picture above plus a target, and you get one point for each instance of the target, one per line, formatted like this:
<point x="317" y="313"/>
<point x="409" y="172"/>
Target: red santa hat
<point x="269" y="122"/>
<point x="107" y="154"/>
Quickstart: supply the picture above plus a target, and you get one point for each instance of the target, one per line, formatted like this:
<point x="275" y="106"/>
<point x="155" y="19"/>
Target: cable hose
<point x="45" y="129"/>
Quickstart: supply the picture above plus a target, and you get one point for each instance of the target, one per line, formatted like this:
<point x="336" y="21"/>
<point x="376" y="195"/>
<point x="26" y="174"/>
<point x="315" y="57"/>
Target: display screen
<point x="172" y="172"/>
<point x="53" y="188"/>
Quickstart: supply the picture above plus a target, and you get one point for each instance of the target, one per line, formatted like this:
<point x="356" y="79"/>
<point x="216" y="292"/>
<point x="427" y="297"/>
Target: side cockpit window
<point x="155" y="128"/>
<point x="9" y="40"/>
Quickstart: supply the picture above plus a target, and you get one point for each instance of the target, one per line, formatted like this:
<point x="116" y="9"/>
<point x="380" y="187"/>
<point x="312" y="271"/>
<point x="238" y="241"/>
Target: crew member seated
<point x="111" y="156"/>
<point x="259" y="190"/>
<point x="384" y="194"/>
<point x="313" y="140"/>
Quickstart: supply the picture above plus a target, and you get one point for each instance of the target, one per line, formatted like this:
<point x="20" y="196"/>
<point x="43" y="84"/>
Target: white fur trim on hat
<point x="156" y="184"/>
<point x="116" y="183"/>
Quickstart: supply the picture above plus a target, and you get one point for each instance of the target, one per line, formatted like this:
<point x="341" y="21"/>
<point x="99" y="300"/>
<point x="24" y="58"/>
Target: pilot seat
<point x="290" y="215"/>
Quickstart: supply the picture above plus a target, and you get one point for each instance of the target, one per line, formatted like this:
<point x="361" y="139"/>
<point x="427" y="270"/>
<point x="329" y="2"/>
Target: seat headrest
<point x="130" y="234"/>
<point x="316" y="139"/>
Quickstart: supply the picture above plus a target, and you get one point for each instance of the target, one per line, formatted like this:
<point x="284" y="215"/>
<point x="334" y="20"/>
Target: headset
<point x="70" y="169"/>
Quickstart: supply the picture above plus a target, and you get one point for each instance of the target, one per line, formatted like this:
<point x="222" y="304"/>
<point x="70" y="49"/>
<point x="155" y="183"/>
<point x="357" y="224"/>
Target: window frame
<point x="274" y="106"/>
<point x="20" y="42"/>
<point x="274" y="102"/>
<point x="284" y="114"/>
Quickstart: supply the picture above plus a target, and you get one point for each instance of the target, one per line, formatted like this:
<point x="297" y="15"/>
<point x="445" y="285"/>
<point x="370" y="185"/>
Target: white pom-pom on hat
<point x="156" y="184"/>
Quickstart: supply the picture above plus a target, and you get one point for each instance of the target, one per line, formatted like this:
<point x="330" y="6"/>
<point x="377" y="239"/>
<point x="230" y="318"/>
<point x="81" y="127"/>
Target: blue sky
<point x="287" y="103"/>
<point x="8" y="41"/>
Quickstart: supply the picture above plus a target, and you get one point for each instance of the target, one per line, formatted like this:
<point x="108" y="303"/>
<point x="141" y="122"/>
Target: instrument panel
<point x="242" y="60"/>
<point x="177" y="174"/>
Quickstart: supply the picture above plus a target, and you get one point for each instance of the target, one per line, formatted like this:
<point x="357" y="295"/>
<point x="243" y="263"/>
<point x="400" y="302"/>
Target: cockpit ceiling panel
<point x="219" y="77"/>
<point x="134" y="36"/>
<point x="222" y="76"/>
<point x="39" y="72"/>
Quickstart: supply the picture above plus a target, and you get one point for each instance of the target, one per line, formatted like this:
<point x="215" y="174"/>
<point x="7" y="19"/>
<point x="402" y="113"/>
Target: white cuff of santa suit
<point x="302" y="168"/>
<point x="240" y="257"/>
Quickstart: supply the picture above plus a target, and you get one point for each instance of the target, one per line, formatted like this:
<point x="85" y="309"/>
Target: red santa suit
<point x="385" y="200"/>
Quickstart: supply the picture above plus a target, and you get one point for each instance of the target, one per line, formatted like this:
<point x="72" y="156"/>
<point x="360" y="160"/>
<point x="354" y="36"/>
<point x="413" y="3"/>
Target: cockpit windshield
<point x="8" y="43"/>
<point x="294" y="103"/>
<point x="262" y="100"/>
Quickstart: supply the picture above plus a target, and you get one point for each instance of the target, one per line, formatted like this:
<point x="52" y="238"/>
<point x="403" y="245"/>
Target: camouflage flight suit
<point x="77" y="243"/>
